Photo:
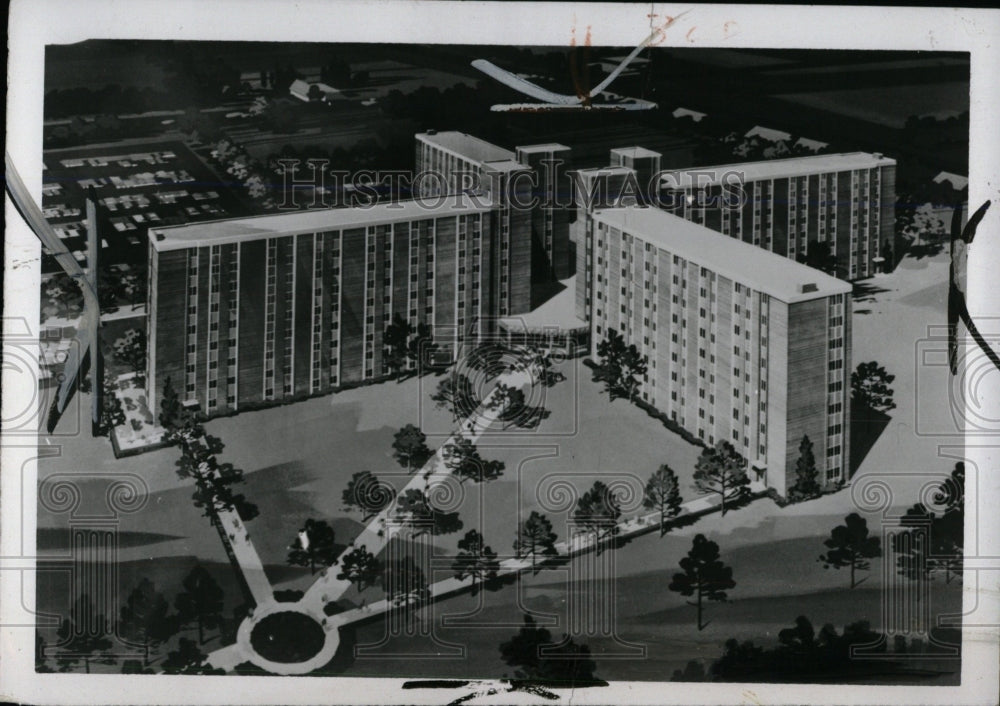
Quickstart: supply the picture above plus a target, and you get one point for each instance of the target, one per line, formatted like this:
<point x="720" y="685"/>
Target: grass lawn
<point x="298" y="459"/>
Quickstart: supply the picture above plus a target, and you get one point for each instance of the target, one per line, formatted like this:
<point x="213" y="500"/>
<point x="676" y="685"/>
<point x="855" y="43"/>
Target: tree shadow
<point x="867" y="426"/>
<point x="922" y="250"/>
<point x="866" y="291"/>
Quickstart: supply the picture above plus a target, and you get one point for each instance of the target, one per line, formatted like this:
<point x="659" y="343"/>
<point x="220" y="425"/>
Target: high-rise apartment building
<point x="646" y="164"/>
<point x="603" y="187"/>
<point x="275" y="307"/>
<point x="742" y="345"/>
<point x="786" y="205"/>
<point x="534" y="229"/>
<point x="550" y="218"/>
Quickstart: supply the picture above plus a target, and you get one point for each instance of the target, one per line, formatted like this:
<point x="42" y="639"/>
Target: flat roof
<point x="790" y="167"/>
<point x="466" y="146"/>
<point x="599" y="171"/>
<point x="768" y="133"/>
<point x="505" y="165"/>
<point x="635" y="152"/>
<point x="546" y="147"/>
<point x="747" y="264"/>
<point x="234" y="230"/>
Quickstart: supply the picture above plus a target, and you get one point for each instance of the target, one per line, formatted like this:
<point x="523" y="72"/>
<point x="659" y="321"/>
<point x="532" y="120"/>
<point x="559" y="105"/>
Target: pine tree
<point x="663" y="494"/>
<point x="722" y="471"/>
<point x="475" y="559"/>
<point x="144" y="618"/>
<point x="850" y="545"/>
<point x="611" y="351"/>
<point x="188" y="659"/>
<point x="83" y="634"/>
<point x="534" y="536"/>
<point x="806" y="474"/>
<point x="705" y="575"/>
<point x="598" y="511"/>
<point x="201" y="601"/>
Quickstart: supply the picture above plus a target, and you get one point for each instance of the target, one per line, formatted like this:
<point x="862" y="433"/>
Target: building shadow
<point x="867" y="426"/>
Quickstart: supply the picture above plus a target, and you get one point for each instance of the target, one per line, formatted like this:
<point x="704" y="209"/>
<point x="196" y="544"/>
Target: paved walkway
<point x="379" y="532"/>
<point x="327" y="587"/>
<point x="577" y="545"/>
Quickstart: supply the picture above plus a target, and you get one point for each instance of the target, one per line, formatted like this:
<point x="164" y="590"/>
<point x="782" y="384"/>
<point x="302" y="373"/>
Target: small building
<point x="687" y="113"/>
<point x="770" y="134"/>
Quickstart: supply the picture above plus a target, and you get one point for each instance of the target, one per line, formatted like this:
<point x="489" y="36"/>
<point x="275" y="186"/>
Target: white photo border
<point x="35" y="23"/>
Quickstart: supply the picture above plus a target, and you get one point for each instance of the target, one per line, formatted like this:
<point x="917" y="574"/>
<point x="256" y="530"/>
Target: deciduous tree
<point x="314" y="544"/>
<point x="870" y="387"/>
<point x="414" y="506"/>
<point x="536" y="658"/>
<point x="396" y="339"/>
<point x="360" y="567"/>
<point x="410" y="447"/>
<point x="365" y="492"/>
<point x="404" y="581"/>
<point x="456" y="393"/>
<point x="936" y="540"/>
<point x="463" y="458"/>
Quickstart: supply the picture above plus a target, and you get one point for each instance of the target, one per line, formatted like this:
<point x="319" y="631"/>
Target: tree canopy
<point x="704" y="575"/>
<point x="723" y="471"/>
<point x="850" y="545"/>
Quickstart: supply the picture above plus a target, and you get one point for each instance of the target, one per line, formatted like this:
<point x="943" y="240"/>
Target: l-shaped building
<point x="743" y="344"/>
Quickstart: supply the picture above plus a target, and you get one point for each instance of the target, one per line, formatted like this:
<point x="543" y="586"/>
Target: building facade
<point x="742" y="345"/>
<point x="276" y="307"/>
<point x="534" y="230"/>
<point x="603" y="187"/>
<point x="646" y="164"/>
<point x="786" y="205"/>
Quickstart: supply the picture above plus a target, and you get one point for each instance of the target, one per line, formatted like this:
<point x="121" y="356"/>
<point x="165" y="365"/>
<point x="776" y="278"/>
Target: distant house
<point x="693" y="114"/>
<point x="812" y="145"/>
<point x="767" y="133"/>
<point x="609" y="64"/>
<point x="956" y="181"/>
<point x="300" y="89"/>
